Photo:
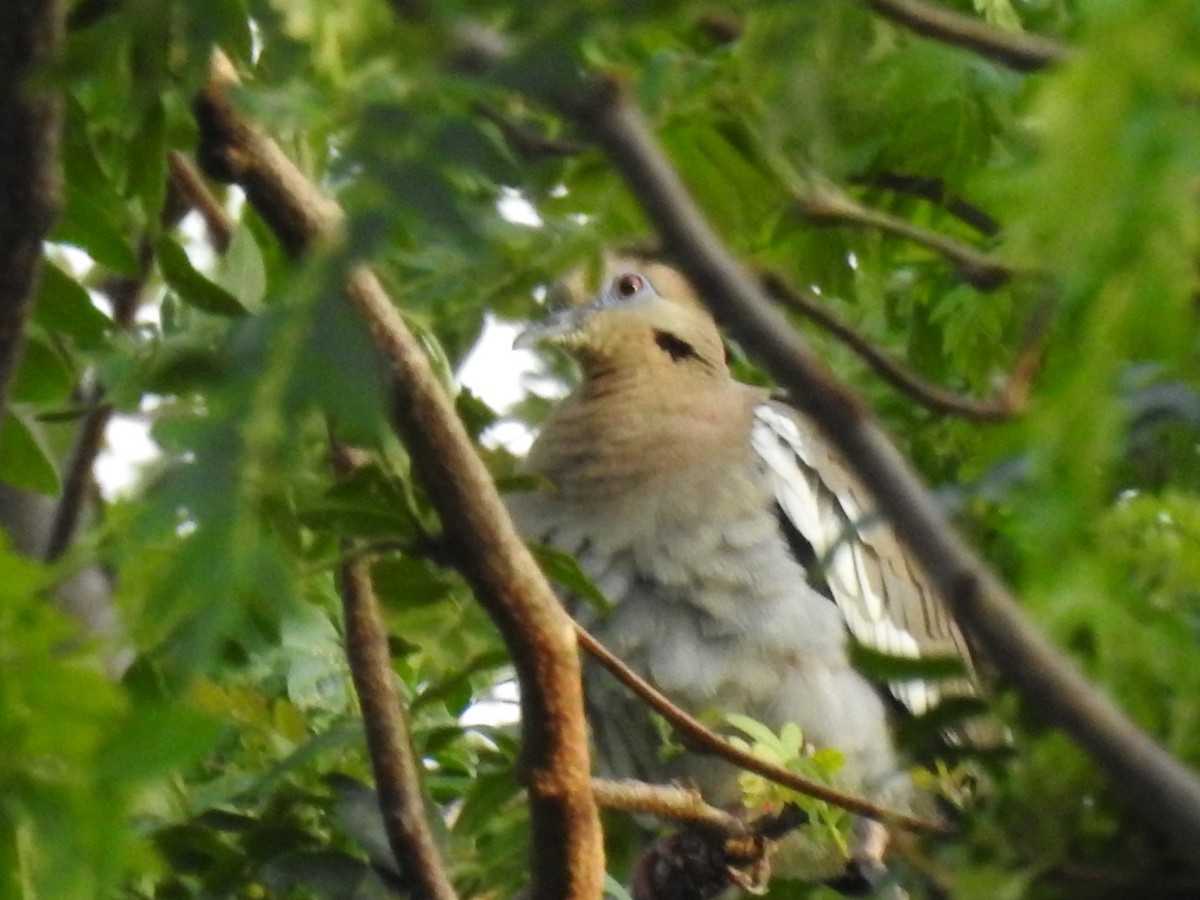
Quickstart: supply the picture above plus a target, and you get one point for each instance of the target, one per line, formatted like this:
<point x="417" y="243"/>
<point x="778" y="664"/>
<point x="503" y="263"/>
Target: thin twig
<point x="935" y="191"/>
<point x="125" y="293"/>
<point x="1017" y="50"/>
<point x="389" y="738"/>
<point x="527" y="141"/>
<point x="826" y="205"/>
<point x="1009" y="400"/>
<point x="193" y="187"/>
<point x="567" y="843"/>
<point x="699" y="735"/>
<point x="1162" y="789"/>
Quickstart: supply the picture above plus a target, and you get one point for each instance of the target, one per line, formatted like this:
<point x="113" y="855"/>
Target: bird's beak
<point x="556" y="328"/>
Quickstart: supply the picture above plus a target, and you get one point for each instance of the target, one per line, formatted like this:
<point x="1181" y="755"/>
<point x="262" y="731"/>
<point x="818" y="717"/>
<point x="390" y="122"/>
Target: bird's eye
<point x="628" y="285"/>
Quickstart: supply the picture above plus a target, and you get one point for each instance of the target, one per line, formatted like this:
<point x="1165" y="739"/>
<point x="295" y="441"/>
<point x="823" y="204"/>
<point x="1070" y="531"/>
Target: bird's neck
<point x="638" y="423"/>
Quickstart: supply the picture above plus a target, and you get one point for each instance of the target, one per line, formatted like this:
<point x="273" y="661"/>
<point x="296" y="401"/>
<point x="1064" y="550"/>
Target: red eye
<point x="628" y="285"/>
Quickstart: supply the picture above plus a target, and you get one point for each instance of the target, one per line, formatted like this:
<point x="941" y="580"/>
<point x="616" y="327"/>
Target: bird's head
<point x="645" y="313"/>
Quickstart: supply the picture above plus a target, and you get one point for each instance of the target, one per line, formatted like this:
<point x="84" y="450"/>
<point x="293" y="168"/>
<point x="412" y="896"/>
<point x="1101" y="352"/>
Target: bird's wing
<point x="887" y="601"/>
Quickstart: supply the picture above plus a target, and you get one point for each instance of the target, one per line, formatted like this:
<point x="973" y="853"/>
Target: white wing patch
<point x="842" y="533"/>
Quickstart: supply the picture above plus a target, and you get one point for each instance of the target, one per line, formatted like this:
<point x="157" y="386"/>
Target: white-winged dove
<point x="739" y="552"/>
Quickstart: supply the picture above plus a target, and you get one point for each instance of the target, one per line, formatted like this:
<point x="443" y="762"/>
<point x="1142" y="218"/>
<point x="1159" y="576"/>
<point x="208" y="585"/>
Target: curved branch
<point x="388" y="736"/>
<point x="567" y="845"/>
<point x="1009" y="400"/>
<point x="528" y="142"/>
<point x="1023" y="52"/>
<point x="699" y="735"/>
<point x="935" y="191"/>
<point x="825" y="205"/>
<point x="1162" y="789"/>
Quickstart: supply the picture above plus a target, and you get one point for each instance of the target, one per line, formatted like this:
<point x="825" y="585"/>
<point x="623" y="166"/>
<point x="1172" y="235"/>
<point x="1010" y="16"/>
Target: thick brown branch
<point x="1009" y="401"/>
<point x="1165" y="792"/>
<point x="705" y="739"/>
<point x="388" y="737"/>
<point x="30" y="192"/>
<point x="826" y="205"/>
<point x="567" y="849"/>
<point x="1023" y="52"/>
<point x="235" y="149"/>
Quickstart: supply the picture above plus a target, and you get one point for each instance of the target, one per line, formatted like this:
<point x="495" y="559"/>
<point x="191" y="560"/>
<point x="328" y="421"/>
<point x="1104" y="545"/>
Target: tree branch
<point x="935" y="191"/>
<point x="526" y="140"/>
<point x="30" y="191"/>
<point x="124" y="292"/>
<point x="1009" y="400"/>
<point x="191" y="185"/>
<point x="388" y="736"/>
<point x="667" y="802"/>
<point x="1163" y="790"/>
<point x="1023" y="52"/>
<point x="567" y="842"/>
<point x="826" y="205"/>
<point x="700" y="736"/>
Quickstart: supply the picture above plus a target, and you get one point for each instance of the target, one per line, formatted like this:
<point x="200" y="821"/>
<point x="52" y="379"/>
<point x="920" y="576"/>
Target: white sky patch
<point x="495" y="373"/>
<point x="193" y="235"/>
<point x="501" y="708"/>
<point x="128" y="448"/>
<point x="77" y="262"/>
<point x="516" y="208"/>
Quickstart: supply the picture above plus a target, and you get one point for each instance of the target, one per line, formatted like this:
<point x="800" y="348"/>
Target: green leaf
<point x="614" y="888"/>
<point x="154" y="742"/>
<point x="64" y="307"/>
<point x="43" y="376"/>
<point x="25" y="460"/>
<point x="241" y="271"/>
<point x="755" y="730"/>
<point x="95" y="216"/>
<point x="149" y="174"/>
<point x="563" y="569"/>
<point x="193" y="288"/>
<point x="888" y="667"/>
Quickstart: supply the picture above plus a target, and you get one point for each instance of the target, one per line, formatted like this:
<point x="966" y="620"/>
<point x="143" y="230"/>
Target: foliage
<point x="204" y="770"/>
<point x="788" y="750"/>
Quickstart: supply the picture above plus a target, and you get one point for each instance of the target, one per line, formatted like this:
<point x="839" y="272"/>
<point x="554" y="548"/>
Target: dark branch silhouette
<point x="30" y="125"/>
<point x="1023" y="52"/>
<point x="1009" y="400"/>
<point x="527" y="141"/>
<point x="935" y="191"/>
<point x="1162" y="789"/>
<point x="824" y="204"/>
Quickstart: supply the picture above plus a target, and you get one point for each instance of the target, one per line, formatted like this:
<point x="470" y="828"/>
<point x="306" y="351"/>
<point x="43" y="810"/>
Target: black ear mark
<point x="676" y="347"/>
